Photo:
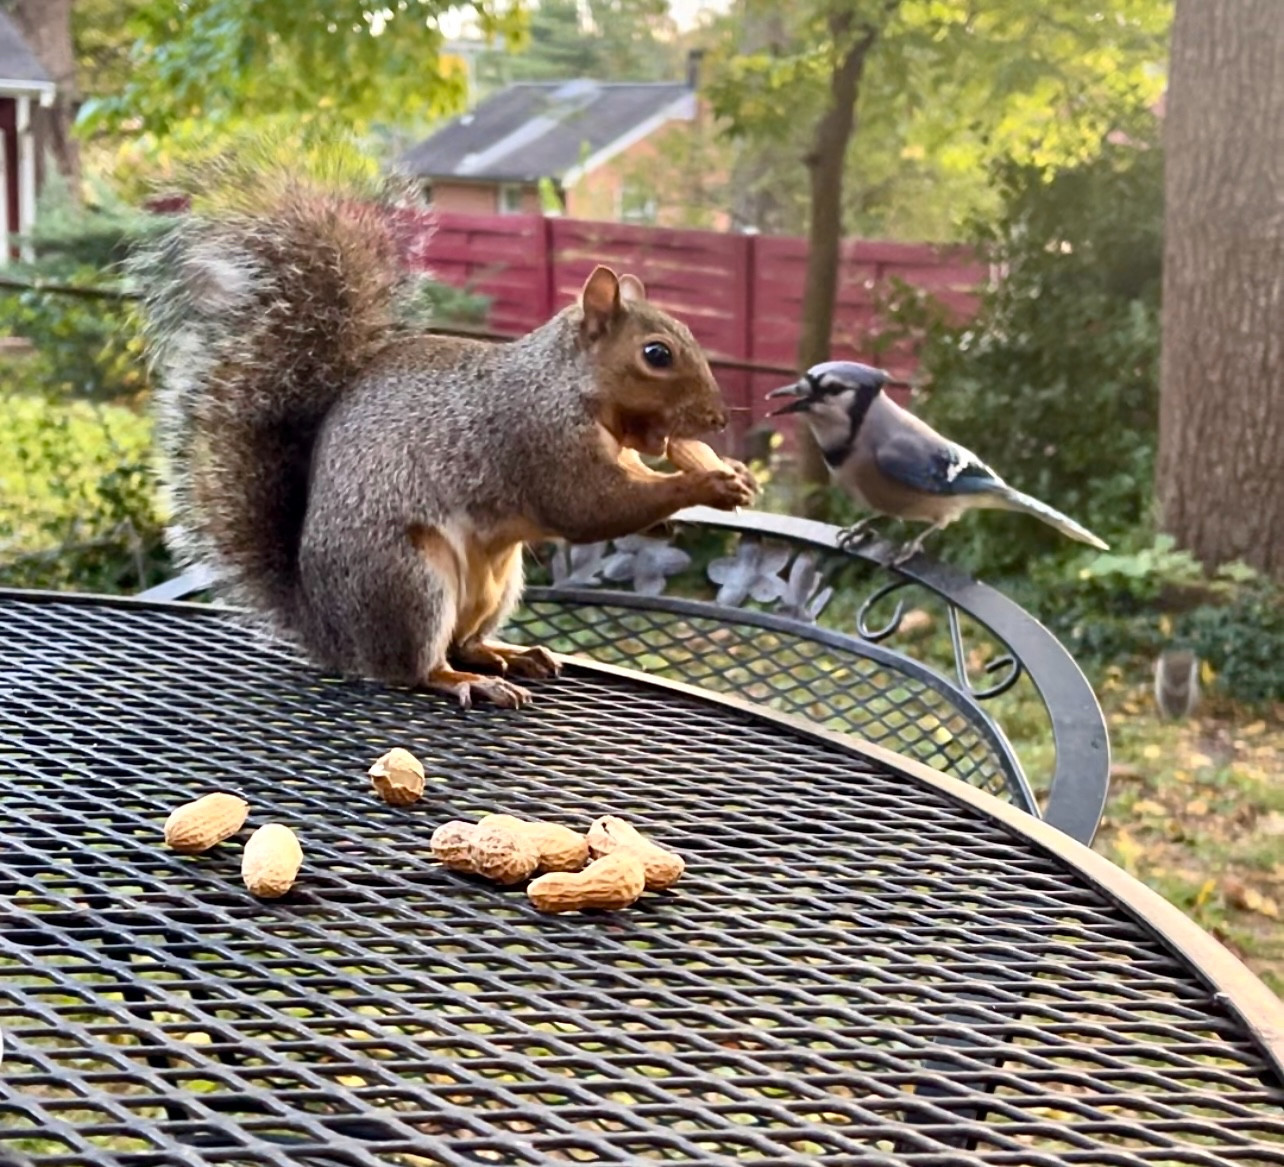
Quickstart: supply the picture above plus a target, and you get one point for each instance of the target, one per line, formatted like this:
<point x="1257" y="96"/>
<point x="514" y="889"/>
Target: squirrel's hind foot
<point x="535" y="663"/>
<point x="469" y="687"/>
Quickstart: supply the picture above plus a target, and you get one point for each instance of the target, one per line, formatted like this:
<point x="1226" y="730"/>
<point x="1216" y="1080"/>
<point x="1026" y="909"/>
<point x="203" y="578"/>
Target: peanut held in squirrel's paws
<point x="690" y="455"/>
<point x="367" y="488"/>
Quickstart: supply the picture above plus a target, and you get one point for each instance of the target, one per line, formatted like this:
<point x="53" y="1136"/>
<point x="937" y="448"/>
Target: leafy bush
<point x="77" y="499"/>
<point x="1055" y="382"/>
<point x="1240" y="638"/>
<point x="439" y="305"/>
<point x="1128" y="605"/>
<point x="86" y="345"/>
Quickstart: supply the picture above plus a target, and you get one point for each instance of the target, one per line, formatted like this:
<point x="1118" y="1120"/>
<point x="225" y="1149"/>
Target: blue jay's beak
<point x="800" y="391"/>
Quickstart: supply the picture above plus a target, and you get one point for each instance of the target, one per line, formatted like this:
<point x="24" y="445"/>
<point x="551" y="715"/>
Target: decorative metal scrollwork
<point x="1007" y="661"/>
<point x="890" y="628"/>
<point x="777" y="575"/>
<point x="806" y="592"/>
<point x="642" y="560"/>
<point x="577" y="566"/>
<point x="754" y="571"/>
<point x="646" y="562"/>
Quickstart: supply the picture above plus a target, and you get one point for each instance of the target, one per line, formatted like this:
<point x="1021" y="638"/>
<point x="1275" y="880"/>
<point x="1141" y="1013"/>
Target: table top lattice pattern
<point x="789" y="672"/>
<point x="855" y="969"/>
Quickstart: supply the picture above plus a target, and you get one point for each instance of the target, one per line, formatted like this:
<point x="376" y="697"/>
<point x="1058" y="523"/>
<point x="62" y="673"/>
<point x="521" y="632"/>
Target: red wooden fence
<point x="741" y="295"/>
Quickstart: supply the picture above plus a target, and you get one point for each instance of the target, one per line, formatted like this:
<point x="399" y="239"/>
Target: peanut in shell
<point x="615" y="881"/>
<point x="201" y="824"/>
<point x="271" y="861"/>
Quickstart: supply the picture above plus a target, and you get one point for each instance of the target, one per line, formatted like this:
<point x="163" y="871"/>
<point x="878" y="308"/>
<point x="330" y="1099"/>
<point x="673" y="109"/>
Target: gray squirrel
<point x="365" y="487"/>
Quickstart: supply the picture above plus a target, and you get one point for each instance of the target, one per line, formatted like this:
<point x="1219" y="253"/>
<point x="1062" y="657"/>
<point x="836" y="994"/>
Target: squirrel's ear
<point x="600" y="300"/>
<point x="631" y="288"/>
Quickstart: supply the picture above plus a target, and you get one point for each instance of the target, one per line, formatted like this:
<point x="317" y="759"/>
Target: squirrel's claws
<point x="534" y="663"/>
<point x="468" y="687"/>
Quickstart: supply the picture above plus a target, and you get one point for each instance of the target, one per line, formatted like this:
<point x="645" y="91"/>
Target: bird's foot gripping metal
<point x="856" y="534"/>
<point x="907" y="552"/>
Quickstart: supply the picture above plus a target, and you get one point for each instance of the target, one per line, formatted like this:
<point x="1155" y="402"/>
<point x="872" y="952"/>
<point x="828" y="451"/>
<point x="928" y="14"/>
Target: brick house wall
<point x="480" y="198"/>
<point x="602" y="195"/>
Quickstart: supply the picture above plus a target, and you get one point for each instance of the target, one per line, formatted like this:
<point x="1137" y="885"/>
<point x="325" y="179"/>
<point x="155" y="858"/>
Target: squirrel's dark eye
<point x="657" y="355"/>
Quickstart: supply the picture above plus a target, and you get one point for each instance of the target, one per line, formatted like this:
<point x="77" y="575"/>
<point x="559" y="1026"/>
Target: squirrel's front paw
<point x="727" y="489"/>
<point x="745" y="475"/>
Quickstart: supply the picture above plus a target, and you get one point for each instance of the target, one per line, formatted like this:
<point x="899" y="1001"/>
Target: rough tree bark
<point x="853" y="37"/>
<point x="1220" y="477"/>
<point x="46" y="27"/>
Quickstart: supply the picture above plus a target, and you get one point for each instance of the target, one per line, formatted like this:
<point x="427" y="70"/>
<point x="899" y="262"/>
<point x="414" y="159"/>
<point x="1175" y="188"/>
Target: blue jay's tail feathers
<point x="1013" y="500"/>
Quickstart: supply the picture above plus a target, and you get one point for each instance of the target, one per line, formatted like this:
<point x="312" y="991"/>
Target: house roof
<point x="548" y="129"/>
<point x="20" y="72"/>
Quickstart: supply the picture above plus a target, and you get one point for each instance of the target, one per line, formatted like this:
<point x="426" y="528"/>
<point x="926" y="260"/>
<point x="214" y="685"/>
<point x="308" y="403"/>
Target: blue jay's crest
<point x="835" y="376"/>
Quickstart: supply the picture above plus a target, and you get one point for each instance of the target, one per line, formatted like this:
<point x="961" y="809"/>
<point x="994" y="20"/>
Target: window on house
<point x="637" y="205"/>
<point x="510" y="198"/>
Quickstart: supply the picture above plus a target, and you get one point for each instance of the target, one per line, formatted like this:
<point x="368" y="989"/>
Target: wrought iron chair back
<point x="770" y="608"/>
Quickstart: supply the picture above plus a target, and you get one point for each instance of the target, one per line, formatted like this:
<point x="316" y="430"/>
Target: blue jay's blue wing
<point x="939" y="467"/>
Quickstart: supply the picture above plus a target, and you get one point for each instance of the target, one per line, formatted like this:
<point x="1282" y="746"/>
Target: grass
<point x="1196" y="811"/>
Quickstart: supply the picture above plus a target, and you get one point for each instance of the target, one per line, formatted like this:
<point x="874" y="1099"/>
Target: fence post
<point x="749" y="307"/>
<point x="547" y="275"/>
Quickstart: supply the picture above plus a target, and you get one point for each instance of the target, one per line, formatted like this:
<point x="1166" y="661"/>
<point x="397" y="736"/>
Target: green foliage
<point x="77" y="499"/>
<point x="1055" y="382"/>
<point x="1241" y="639"/>
<point x="439" y="305"/>
<point x="83" y="348"/>
<point x="85" y="345"/>
<point x="1128" y="605"/>
<point x="949" y="86"/>
<point x="611" y="40"/>
<point x="104" y="45"/>
<point x="222" y="62"/>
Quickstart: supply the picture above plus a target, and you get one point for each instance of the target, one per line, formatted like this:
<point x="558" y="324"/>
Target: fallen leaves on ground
<point x="1196" y="811"/>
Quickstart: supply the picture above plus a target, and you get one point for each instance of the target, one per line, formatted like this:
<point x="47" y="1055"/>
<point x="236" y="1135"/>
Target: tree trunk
<point x="46" y="27"/>
<point x="825" y="163"/>
<point x="1221" y="423"/>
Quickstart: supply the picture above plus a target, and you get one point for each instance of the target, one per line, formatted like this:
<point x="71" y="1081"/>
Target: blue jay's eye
<point x="657" y="355"/>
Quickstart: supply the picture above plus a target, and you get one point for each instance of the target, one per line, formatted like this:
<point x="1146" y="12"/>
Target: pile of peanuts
<point x="609" y="867"/>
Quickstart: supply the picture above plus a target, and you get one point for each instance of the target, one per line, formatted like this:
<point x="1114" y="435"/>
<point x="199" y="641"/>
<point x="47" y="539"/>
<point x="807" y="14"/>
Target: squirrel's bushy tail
<point x="261" y="308"/>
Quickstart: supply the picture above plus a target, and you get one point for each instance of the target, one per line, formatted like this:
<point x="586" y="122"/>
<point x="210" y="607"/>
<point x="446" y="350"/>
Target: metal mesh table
<point x="864" y="964"/>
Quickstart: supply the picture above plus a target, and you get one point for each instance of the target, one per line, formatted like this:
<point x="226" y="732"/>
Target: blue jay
<point x="896" y="465"/>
